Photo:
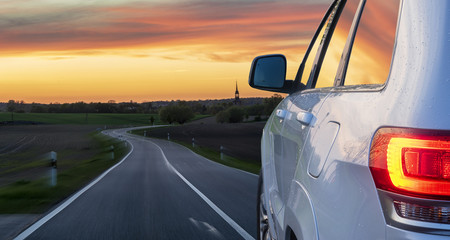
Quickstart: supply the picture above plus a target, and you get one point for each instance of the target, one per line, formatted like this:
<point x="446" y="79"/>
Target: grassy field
<point x="36" y="196"/>
<point x="109" y="119"/>
<point x="230" y="161"/>
<point x="81" y="118"/>
<point x="83" y="154"/>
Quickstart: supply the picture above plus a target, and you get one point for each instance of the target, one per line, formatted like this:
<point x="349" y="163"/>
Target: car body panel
<point x="318" y="174"/>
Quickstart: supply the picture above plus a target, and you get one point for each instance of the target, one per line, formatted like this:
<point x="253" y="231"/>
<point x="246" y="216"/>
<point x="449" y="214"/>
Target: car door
<point x="324" y="114"/>
<point x="309" y="134"/>
<point x="296" y="112"/>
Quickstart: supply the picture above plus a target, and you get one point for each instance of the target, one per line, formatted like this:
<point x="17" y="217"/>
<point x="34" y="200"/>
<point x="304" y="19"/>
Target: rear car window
<point x="333" y="55"/>
<point x="371" y="54"/>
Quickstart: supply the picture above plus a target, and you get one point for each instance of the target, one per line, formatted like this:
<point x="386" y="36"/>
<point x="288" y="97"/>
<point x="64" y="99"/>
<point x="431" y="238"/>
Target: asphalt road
<point x="160" y="191"/>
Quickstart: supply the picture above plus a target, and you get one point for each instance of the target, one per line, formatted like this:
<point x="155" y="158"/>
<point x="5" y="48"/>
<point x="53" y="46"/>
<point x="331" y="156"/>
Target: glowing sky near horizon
<point x="67" y="51"/>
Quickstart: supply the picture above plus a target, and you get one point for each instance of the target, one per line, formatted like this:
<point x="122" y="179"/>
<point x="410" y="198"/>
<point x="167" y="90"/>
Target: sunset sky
<point x="67" y="51"/>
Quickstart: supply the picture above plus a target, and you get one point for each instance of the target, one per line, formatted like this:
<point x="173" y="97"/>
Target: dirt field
<point x="241" y="140"/>
<point x="24" y="149"/>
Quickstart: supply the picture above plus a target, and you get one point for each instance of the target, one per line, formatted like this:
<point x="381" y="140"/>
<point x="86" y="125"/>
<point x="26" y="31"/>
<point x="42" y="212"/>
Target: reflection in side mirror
<point x="268" y="72"/>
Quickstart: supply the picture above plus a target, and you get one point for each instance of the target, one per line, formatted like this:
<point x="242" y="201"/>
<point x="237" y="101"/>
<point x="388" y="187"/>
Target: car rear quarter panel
<point x="416" y="95"/>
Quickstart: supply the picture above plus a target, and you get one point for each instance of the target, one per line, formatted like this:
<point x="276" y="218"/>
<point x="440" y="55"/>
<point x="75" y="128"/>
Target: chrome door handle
<point x="305" y="118"/>
<point x="281" y="113"/>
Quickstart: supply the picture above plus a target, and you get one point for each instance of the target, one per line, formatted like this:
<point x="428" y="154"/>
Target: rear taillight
<point x="412" y="162"/>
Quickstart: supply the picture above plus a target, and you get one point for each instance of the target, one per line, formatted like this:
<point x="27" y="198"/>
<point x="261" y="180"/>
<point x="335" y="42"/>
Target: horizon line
<point x="173" y="100"/>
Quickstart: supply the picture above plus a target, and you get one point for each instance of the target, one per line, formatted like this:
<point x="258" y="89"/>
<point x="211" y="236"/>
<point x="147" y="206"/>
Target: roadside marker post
<point x="193" y="142"/>
<point x="53" y="170"/>
<point x="168" y="136"/>
<point x="112" y="152"/>
<point x="145" y="133"/>
<point x="221" y="152"/>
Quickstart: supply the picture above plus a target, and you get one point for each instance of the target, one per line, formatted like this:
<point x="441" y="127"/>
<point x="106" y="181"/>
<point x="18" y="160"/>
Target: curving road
<point x="161" y="190"/>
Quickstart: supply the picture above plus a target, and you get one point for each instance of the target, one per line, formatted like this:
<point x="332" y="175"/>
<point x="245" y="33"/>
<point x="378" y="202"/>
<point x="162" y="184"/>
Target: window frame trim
<point x="301" y="68"/>
<point x="345" y="57"/>
<point x="323" y="47"/>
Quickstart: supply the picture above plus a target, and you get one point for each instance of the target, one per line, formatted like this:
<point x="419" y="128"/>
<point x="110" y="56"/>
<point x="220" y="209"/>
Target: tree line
<point x="176" y="111"/>
<point x="81" y="107"/>
<point x="182" y="112"/>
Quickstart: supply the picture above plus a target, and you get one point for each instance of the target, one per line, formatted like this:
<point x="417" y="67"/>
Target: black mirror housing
<point x="268" y="72"/>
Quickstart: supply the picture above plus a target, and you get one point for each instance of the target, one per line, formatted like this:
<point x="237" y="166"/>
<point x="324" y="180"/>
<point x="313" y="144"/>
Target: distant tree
<point x="182" y="103"/>
<point x="255" y="110"/>
<point x="183" y="114"/>
<point x="176" y="113"/>
<point x="78" y="107"/>
<point x="236" y="114"/>
<point x="11" y="106"/>
<point x="54" y="108"/>
<point x="35" y="108"/>
<point x="147" y="107"/>
<point x="20" y="106"/>
<point x="152" y="120"/>
<point x="223" y="116"/>
<point x="216" y="108"/>
<point x="271" y="103"/>
<point x="166" y="115"/>
<point x="233" y="114"/>
<point x="103" y="107"/>
<point x="198" y="108"/>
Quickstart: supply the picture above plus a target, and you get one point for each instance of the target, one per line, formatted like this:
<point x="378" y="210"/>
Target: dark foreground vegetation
<point x="100" y="119"/>
<point x="25" y="174"/>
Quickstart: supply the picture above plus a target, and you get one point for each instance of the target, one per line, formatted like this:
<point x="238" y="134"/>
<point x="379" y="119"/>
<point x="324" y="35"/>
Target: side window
<point x="308" y="68"/>
<point x="371" y="54"/>
<point x="335" y="48"/>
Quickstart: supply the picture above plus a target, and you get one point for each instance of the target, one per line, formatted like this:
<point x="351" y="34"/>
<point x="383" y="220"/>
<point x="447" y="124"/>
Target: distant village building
<point x="236" y="101"/>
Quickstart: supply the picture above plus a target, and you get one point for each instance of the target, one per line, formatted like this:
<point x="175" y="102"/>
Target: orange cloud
<point x="241" y="27"/>
<point x="145" y="51"/>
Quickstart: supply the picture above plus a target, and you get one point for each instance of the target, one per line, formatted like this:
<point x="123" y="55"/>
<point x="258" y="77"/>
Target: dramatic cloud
<point x="97" y="50"/>
<point x="220" y="31"/>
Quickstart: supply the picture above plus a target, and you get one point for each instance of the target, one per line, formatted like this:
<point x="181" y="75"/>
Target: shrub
<point x="176" y="113"/>
<point x="271" y="103"/>
<point x="223" y="116"/>
<point x="236" y="114"/>
<point x="231" y="115"/>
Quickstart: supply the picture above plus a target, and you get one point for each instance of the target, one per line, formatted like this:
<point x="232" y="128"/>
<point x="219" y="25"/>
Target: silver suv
<point x="360" y="147"/>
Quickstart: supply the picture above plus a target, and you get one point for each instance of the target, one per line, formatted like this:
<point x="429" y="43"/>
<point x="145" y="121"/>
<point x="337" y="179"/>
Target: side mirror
<point x="268" y="72"/>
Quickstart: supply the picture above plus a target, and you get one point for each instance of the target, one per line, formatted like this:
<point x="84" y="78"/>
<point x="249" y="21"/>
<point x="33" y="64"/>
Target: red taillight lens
<point x="412" y="162"/>
<point x="434" y="163"/>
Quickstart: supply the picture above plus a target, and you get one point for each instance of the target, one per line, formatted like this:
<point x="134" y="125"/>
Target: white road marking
<point x="49" y="216"/>
<point x="219" y="211"/>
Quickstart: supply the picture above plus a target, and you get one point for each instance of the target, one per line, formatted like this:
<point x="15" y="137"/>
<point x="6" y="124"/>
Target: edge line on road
<point x="53" y="213"/>
<point x="219" y="211"/>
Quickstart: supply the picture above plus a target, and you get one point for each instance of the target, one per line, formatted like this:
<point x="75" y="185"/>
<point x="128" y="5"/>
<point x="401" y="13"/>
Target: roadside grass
<point x="81" y="118"/>
<point x="211" y="154"/>
<point x="38" y="196"/>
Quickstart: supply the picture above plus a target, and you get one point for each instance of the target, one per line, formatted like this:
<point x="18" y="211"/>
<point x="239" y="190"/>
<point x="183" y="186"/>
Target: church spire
<point x="236" y="96"/>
